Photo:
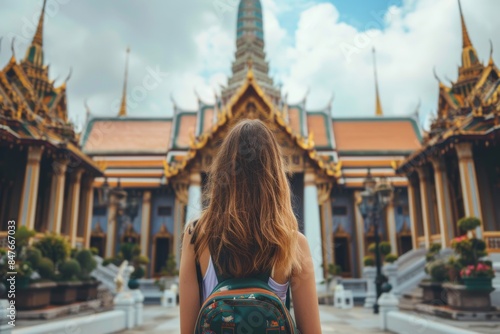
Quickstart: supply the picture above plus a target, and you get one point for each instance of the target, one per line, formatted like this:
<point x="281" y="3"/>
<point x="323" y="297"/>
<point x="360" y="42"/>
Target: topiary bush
<point x="69" y="270"/>
<point x="467" y="224"/>
<point x="368" y="261"/>
<point x="55" y="247"/>
<point x="438" y="270"/>
<point x="45" y="268"/>
<point x="87" y="263"/>
<point x="138" y="273"/>
<point x="23" y="236"/>
<point x="33" y="256"/>
<point x="371" y="248"/>
<point x="385" y="248"/>
<point x="391" y="258"/>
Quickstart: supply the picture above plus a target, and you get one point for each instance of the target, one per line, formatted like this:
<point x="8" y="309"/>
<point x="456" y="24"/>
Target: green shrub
<point x="69" y="269"/>
<point x="371" y="248"/>
<point x="55" y="247"/>
<point x="469" y="224"/>
<point x="391" y="258"/>
<point x="433" y="250"/>
<point x="94" y="250"/>
<point x="87" y="263"/>
<point x="334" y="269"/>
<point x="129" y="251"/>
<point x="138" y="273"/>
<point x="33" y="255"/>
<point x="23" y="236"/>
<point x="385" y="248"/>
<point x="107" y="261"/>
<point x="45" y="268"/>
<point x="170" y="268"/>
<point x="438" y="270"/>
<point x="369" y="261"/>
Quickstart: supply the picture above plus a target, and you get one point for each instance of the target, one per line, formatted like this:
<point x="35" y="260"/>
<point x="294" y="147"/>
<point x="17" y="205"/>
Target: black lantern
<point x="374" y="200"/>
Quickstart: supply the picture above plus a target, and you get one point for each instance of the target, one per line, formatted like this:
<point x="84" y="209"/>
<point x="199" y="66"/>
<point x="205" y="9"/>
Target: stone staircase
<point x="409" y="300"/>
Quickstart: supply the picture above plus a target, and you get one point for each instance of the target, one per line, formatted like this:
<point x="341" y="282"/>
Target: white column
<point x="312" y="225"/>
<point x="74" y="205"/>
<point x="29" y="195"/>
<point x="57" y="195"/>
<point x="470" y="190"/>
<point x="194" y="206"/>
<point x="111" y="228"/>
<point x="443" y="202"/>
<point x="426" y="216"/>
<point x="145" y="222"/>
<point x="360" y="230"/>
<point x="412" y="202"/>
<point x="391" y="227"/>
<point x="89" y="203"/>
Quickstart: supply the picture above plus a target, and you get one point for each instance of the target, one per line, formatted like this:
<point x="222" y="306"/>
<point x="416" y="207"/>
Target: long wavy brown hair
<point x="249" y="226"/>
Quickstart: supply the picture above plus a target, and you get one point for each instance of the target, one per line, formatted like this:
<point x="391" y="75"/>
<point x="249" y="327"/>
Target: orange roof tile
<point x="187" y="128"/>
<point x="376" y="135"/>
<point x="316" y="125"/>
<point x="118" y="136"/>
<point x="208" y="119"/>
<point x="294" y="118"/>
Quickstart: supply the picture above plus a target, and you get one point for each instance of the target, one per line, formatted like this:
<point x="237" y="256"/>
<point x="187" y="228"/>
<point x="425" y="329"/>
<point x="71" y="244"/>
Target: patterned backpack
<point x="242" y="305"/>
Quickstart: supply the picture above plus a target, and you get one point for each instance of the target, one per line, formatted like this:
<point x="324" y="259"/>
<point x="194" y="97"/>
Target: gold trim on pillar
<point x="29" y="193"/>
<point x="59" y="168"/>
<point x="424" y="191"/>
<point x="443" y="201"/>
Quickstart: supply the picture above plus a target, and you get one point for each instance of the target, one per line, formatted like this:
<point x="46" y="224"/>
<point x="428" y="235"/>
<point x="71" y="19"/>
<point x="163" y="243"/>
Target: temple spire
<point x="469" y="53"/>
<point x="34" y="54"/>
<point x="465" y="34"/>
<point x="378" y="104"/>
<point x="123" y="106"/>
<point x="38" y="39"/>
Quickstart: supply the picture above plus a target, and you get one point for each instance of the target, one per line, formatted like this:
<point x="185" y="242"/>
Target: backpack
<point x="243" y="305"/>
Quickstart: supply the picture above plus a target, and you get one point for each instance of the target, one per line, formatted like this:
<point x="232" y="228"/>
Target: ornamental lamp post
<point x="374" y="200"/>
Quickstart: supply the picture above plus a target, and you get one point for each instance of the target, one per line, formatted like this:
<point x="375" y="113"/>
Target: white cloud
<point x="195" y="44"/>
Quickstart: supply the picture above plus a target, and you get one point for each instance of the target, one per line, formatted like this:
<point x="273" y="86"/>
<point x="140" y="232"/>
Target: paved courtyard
<point x="159" y="320"/>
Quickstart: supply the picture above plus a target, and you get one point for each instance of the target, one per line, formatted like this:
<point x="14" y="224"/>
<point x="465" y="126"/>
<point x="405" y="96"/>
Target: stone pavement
<point x="158" y="320"/>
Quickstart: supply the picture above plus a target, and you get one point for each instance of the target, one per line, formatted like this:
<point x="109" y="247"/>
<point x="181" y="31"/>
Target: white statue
<point x="119" y="281"/>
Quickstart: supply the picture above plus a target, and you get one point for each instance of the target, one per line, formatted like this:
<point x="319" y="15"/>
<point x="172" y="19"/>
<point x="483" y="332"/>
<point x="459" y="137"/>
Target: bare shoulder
<point x="303" y="243"/>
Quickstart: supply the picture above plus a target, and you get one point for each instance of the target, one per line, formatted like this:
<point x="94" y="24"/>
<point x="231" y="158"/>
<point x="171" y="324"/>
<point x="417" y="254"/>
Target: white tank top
<point x="210" y="282"/>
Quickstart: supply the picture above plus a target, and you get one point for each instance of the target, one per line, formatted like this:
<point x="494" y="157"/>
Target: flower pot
<point x="133" y="284"/>
<point x="64" y="293"/>
<point x="88" y="291"/>
<point x="477" y="283"/>
<point x="34" y="296"/>
<point x="433" y="293"/>
<point x="462" y="298"/>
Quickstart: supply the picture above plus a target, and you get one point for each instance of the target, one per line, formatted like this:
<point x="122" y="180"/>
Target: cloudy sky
<point x="316" y="45"/>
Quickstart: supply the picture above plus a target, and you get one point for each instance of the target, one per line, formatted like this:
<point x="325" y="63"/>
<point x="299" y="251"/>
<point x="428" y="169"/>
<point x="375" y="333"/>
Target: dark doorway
<point x="162" y="251"/>
<point x="342" y="254"/>
<point x="405" y="244"/>
<point x="98" y="242"/>
<point x="297" y="189"/>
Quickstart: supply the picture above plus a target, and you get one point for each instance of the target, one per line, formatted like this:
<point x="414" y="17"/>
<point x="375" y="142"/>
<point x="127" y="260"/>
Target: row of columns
<point x="30" y="190"/>
<point x="445" y="220"/>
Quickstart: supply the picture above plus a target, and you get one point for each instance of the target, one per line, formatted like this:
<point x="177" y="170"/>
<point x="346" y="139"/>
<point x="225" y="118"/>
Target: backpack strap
<point x="199" y="276"/>
<point x="287" y="300"/>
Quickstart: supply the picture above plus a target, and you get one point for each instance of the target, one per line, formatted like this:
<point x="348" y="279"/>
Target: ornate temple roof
<point x="467" y="110"/>
<point x="32" y="109"/>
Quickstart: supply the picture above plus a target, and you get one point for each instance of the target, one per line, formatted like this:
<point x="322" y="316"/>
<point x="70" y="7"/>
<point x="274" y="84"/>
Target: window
<point x="340" y="210"/>
<point x="164" y="211"/>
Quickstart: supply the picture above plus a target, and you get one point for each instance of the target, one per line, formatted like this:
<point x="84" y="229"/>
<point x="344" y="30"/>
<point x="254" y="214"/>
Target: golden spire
<point x="465" y="34"/>
<point x="38" y="39"/>
<point x="491" y="62"/>
<point x="123" y="107"/>
<point x="378" y="104"/>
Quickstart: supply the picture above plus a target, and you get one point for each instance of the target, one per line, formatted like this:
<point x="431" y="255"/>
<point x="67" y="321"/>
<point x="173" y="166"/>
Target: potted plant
<point x="391" y="258"/>
<point x="88" y="290"/>
<point x="472" y="291"/>
<point x="369" y="261"/>
<point x="432" y="289"/>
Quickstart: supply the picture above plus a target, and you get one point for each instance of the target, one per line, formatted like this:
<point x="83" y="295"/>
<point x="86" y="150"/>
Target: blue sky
<point x="320" y="46"/>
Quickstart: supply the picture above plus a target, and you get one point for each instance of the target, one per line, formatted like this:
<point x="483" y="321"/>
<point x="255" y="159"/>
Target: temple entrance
<point x="130" y="236"/>
<point x="162" y="248"/>
<point x="342" y="251"/>
<point x="98" y="240"/>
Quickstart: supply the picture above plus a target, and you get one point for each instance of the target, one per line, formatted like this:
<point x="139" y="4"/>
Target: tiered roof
<point x="32" y="109"/>
<point x="468" y="109"/>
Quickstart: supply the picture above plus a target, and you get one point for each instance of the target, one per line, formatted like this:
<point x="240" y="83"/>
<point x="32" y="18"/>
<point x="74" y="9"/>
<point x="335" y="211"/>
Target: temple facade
<point x="155" y="169"/>
<point x="46" y="181"/>
<point x="456" y="172"/>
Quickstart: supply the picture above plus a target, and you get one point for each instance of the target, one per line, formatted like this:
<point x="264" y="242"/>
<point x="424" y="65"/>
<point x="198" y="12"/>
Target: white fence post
<point x="387" y="302"/>
<point x="371" y="295"/>
<point x="124" y="301"/>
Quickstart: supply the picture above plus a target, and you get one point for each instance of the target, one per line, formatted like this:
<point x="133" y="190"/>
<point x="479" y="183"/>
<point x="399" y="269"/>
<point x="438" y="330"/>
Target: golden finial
<point x="491" y="62"/>
<point x="123" y="106"/>
<point x="378" y="104"/>
<point x="38" y="39"/>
